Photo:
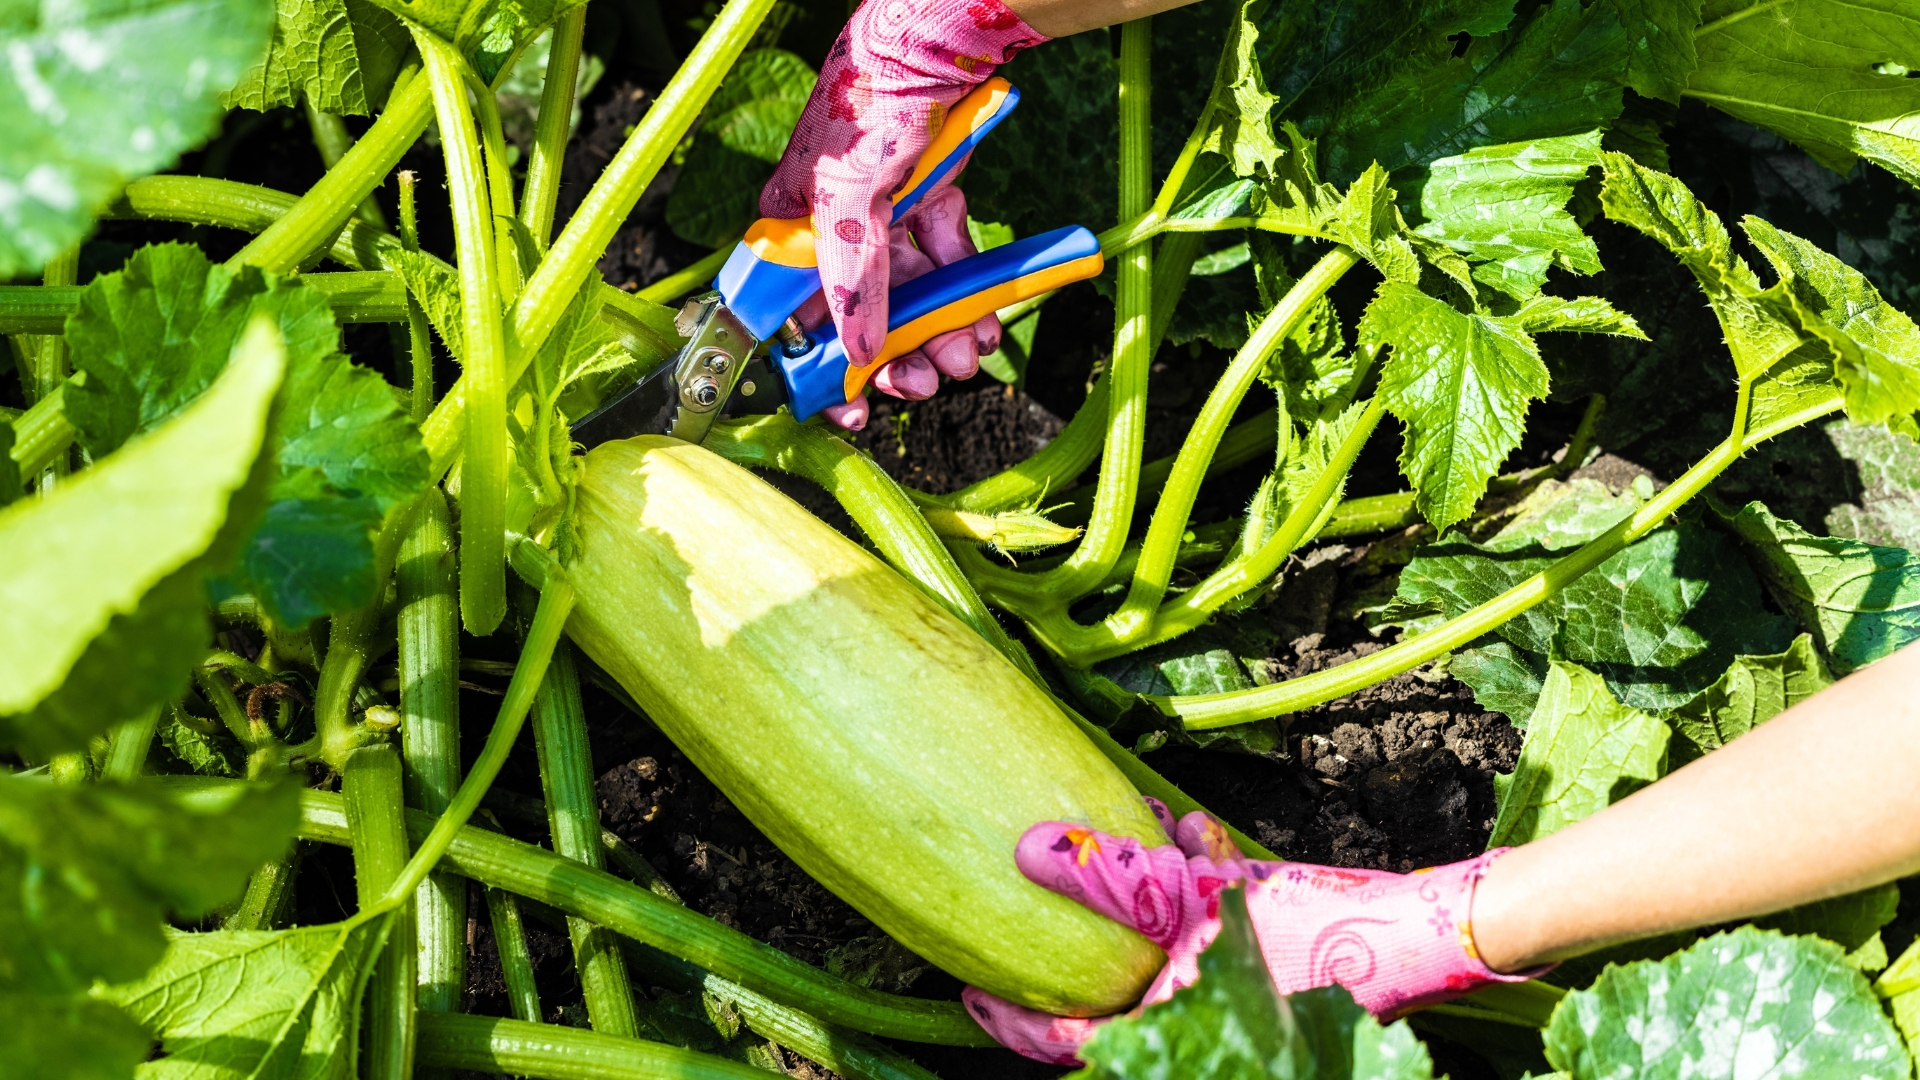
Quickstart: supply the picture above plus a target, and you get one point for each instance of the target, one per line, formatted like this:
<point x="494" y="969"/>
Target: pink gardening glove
<point x="884" y="90"/>
<point x="1395" y="941"/>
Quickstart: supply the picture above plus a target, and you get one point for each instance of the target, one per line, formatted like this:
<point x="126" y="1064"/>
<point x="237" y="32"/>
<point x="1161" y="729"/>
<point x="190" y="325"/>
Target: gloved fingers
<point x="852" y="416"/>
<point x="910" y="377"/>
<point x="813" y="314"/>
<point x="905" y="262"/>
<point x="986" y="334"/>
<point x="850" y="245"/>
<point x="1160" y="814"/>
<point x="1200" y="834"/>
<point x="1146" y="888"/>
<point x="939" y="224"/>
<point x="955" y="354"/>
<point x="1029" y="1032"/>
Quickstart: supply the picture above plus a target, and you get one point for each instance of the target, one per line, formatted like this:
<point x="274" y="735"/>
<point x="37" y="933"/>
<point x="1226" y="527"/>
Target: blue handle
<point x="953" y="158"/>
<point x="962" y="292"/>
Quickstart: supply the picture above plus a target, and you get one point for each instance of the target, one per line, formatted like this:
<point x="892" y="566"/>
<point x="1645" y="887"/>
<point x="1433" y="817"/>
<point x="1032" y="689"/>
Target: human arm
<point x="1791" y="812"/>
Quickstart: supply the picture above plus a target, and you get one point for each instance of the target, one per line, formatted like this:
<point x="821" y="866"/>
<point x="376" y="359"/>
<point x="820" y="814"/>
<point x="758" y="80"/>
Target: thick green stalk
<point x="516" y="963"/>
<point x="349" y="650"/>
<point x="419" y="345"/>
<point x="493" y="144"/>
<point x="483" y="475"/>
<point x="549" y="1052"/>
<point x="1249" y="439"/>
<point x="1106" y="534"/>
<point x="128" y="745"/>
<point x="628" y="909"/>
<point x="847" y="1054"/>
<point x="692" y="278"/>
<point x="1162" y="543"/>
<point x="354" y="297"/>
<point x="573" y="820"/>
<point x="1173" y="266"/>
<point x="1047" y="472"/>
<point x="268" y="896"/>
<point x="549" y="618"/>
<point x="429" y="653"/>
<point x="553" y="126"/>
<point x="319" y="215"/>
<point x="370" y="790"/>
<point x="48" y="356"/>
<point x="1204" y="711"/>
<point x="571" y="260"/>
<point x="333" y="140"/>
<point x="41" y="433"/>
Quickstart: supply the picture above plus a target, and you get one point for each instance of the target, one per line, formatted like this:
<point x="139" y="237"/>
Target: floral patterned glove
<point x="1395" y="941"/>
<point x="882" y="94"/>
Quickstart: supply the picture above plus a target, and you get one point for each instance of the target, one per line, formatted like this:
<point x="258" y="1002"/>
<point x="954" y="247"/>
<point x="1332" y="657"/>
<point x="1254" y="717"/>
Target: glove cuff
<point x="956" y="42"/>
<point x="1453" y="967"/>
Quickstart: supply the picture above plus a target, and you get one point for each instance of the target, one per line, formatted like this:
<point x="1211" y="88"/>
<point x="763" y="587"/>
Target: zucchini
<point x="876" y="739"/>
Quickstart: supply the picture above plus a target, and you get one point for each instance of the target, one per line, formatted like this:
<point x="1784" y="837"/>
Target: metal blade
<point x="684" y="396"/>
<point x="645" y="408"/>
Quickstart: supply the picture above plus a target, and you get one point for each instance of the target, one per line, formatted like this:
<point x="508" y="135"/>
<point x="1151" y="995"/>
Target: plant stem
<point x="1052" y="467"/>
<point x="429" y="645"/>
<point x="1174" y="265"/>
<point x="333" y="140"/>
<point x="483" y="476"/>
<point x="550" y="1052"/>
<point x="690" y="279"/>
<point x="1106" y="534"/>
<point x="628" y="909"/>
<point x="128" y="745"/>
<point x="213" y="686"/>
<point x="349" y="647"/>
<point x="1162" y="543"/>
<point x="516" y="963"/>
<point x="1204" y="711"/>
<point x="553" y="126"/>
<point x="313" y="222"/>
<point x="269" y="891"/>
<point x="47" y="355"/>
<point x="493" y="143"/>
<point x="376" y="818"/>
<point x="1250" y="438"/>
<point x="573" y="820"/>
<point x="556" y="603"/>
<point x="845" y="1053"/>
<point x="572" y="258"/>
<point x="419" y="345"/>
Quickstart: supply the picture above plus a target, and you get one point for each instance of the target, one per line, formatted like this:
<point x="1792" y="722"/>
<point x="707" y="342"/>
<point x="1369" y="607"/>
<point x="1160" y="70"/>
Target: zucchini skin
<point x="885" y="747"/>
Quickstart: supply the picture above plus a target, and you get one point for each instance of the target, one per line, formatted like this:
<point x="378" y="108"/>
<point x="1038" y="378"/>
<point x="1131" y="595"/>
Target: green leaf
<point x="1861" y="602"/>
<point x="1461" y="383"/>
<point x="1506" y="679"/>
<point x="1814" y="71"/>
<point x="91" y="869"/>
<point x="247" y="1003"/>
<point x="207" y="755"/>
<point x="1231" y="1025"/>
<point x="96" y="95"/>
<point x="339" y="55"/>
<point x="102" y="586"/>
<point x="1900" y="985"/>
<point x="1561" y="515"/>
<point x="1753" y="690"/>
<point x="1740" y="1004"/>
<point x="1848" y="921"/>
<point x="1584" y="751"/>
<point x="69" y="1038"/>
<point x="1886" y="509"/>
<point x="1881" y="373"/>
<point x="1581" y="314"/>
<point x="1659" y="621"/>
<point x="1505" y="209"/>
<point x="1243" y="124"/>
<point x="744" y="131"/>
<point x="151" y="337"/>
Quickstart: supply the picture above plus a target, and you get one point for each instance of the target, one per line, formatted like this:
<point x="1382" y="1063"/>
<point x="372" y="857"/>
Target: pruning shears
<point x="723" y="369"/>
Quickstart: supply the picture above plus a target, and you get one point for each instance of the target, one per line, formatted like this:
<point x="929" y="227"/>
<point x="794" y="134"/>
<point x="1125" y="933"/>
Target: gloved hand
<point x="1395" y="941"/>
<point x="882" y="94"/>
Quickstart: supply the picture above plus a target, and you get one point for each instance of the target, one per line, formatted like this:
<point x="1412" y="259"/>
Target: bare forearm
<point x="1822" y="800"/>
<point x="1059" y="18"/>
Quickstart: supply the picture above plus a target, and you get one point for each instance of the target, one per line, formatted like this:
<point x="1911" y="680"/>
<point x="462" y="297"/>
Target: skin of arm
<point x="1785" y="815"/>
<point x="1059" y="18"/>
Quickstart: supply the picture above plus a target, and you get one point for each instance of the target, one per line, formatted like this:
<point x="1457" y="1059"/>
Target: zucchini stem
<point x="516" y="962"/>
<point x="370" y="790"/>
<point x="541" y="192"/>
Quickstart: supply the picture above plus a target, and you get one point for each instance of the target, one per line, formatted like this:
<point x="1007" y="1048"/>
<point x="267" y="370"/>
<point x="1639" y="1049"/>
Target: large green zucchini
<point x="877" y="740"/>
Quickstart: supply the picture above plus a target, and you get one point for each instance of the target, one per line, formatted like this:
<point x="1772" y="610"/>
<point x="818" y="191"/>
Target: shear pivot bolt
<point x="704" y="391"/>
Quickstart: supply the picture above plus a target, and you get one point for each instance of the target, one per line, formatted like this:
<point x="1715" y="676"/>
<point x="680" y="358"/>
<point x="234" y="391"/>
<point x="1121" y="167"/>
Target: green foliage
<point x="1753" y="690"/>
<point x="97" y="95"/>
<point x="1584" y="751"/>
<point x="260" y="1003"/>
<point x="1828" y="75"/>
<point x="101" y="596"/>
<point x="1745" y="1003"/>
<point x="1231" y="1025"/>
<point x="742" y="135"/>
<point x="1860" y="602"/>
<point x="1886" y="508"/>
<point x="1504" y="208"/>
<point x="151" y="337"/>
<point x="339" y="55"/>
<point x="1659" y="621"/>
